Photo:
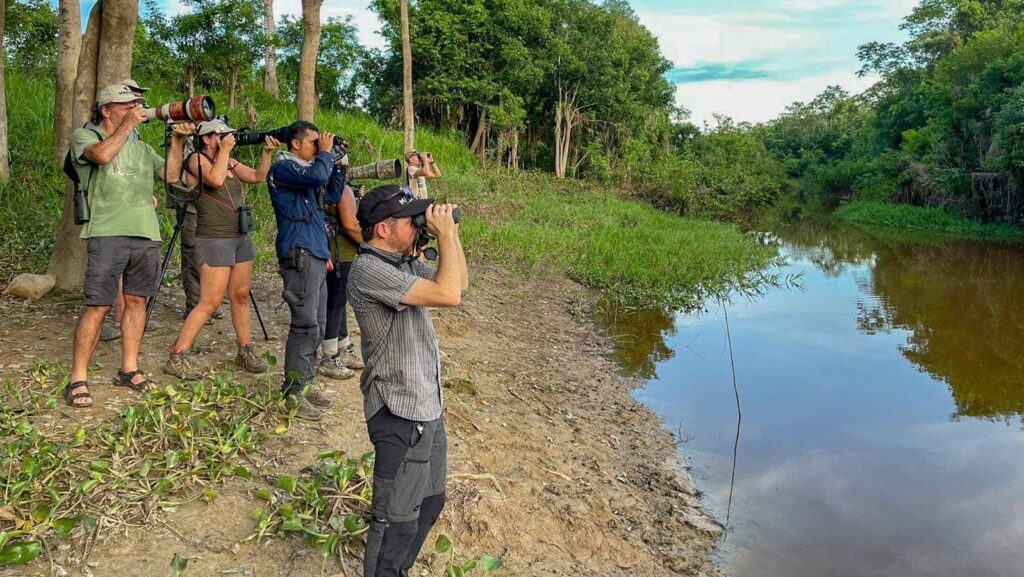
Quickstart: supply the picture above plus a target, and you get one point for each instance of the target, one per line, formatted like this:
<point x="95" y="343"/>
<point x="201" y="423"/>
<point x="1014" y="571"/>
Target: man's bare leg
<point x="87" y="334"/>
<point x="132" y="325"/>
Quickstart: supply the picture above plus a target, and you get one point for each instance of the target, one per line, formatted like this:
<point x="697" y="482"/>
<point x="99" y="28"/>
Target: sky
<point x="746" y="59"/>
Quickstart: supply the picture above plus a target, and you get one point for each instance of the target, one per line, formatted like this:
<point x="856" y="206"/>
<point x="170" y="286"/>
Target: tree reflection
<point x="640" y="336"/>
<point x="962" y="303"/>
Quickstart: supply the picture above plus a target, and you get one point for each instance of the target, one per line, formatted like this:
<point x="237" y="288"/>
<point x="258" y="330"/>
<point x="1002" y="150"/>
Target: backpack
<point x="69" y="170"/>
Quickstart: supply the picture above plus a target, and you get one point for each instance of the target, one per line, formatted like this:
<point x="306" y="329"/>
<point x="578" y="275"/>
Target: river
<point x="881" y="388"/>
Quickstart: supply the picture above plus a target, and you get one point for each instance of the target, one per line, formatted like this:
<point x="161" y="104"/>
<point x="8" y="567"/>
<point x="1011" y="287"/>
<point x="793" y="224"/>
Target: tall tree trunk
<point x="306" y="96"/>
<point x="106" y="57"/>
<point x="479" y="144"/>
<point x="408" y="120"/>
<point x="567" y="117"/>
<point x="69" y="45"/>
<point x="270" y="73"/>
<point x="191" y="81"/>
<point x="5" y="160"/>
<point x="232" y="89"/>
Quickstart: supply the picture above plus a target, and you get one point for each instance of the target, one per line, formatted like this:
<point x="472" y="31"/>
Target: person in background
<point x="420" y="167"/>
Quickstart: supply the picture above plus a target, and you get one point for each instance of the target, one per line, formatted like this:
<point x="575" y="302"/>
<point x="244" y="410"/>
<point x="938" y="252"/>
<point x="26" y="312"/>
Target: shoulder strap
<point x="92" y="165"/>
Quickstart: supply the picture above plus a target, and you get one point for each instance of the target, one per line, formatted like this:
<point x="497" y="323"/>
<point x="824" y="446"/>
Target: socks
<point x="329" y="347"/>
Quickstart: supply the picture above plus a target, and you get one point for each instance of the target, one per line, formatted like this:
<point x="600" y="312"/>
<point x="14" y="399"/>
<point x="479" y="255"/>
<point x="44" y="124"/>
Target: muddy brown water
<point x="881" y="405"/>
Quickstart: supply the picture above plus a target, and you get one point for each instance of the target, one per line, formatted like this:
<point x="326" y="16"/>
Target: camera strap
<point x="203" y="188"/>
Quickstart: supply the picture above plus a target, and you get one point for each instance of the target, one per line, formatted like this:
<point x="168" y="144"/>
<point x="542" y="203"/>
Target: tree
<point x="306" y="97"/>
<point x="105" y="58"/>
<point x="339" y="61"/>
<point x="5" y="164"/>
<point x="270" y="70"/>
<point x="408" y="118"/>
<point x="68" y="47"/>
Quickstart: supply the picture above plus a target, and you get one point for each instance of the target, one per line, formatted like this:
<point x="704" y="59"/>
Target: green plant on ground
<point x="328" y="505"/>
<point x="169" y="449"/>
<point x="455" y="568"/>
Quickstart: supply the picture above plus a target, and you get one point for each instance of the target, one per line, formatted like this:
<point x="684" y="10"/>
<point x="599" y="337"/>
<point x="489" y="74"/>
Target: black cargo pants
<point x="408" y="490"/>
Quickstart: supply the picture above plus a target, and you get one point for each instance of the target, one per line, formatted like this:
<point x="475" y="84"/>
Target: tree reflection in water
<point x="962" y="303"/>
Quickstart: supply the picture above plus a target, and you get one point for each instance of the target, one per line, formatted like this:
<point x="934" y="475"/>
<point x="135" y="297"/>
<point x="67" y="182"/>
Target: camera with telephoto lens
<point x="423" y="237"/>
<point x="247" y="137"/>
<point x="195" y="109"/>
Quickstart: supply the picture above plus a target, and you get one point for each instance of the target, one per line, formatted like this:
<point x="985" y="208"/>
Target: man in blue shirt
<point x="301" y="180"/>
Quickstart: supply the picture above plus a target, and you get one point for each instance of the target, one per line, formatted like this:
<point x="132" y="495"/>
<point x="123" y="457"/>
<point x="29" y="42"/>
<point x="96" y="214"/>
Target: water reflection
<point x="849" y="462"/>
<point x="961" y="302"/>
<point x="639" y="335"/>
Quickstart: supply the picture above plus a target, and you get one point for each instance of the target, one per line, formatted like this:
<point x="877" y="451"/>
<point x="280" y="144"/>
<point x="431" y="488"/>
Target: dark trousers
<point x="409" y="476"/>
<point x="189" y="261"/>
<point x="305" y="291"/>
<point x="337" y="285"/>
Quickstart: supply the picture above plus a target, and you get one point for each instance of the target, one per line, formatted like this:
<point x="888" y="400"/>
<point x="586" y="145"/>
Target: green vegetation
<point x="940" y="129"/>
<point x="923" y="218"/>
<point x="528" y="221"/>
<point x="171" y="448"/>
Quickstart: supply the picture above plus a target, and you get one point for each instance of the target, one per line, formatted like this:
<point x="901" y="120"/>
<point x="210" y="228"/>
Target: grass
<point x="529" y="222"/>
<point x="925" y="219"/>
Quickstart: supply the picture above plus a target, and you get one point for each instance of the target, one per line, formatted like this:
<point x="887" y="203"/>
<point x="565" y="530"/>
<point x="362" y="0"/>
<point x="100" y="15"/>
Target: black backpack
<point x="69" y="169"/>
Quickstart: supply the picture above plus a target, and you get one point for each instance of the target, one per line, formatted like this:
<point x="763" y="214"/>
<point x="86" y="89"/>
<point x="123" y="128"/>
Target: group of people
<point x="331" y="250"/>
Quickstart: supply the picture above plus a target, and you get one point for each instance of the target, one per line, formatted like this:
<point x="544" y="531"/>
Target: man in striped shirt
<point x="390" y="291"/>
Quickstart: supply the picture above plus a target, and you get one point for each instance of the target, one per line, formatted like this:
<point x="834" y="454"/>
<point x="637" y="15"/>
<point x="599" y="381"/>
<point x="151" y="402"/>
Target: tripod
<point x="181" y="202"/>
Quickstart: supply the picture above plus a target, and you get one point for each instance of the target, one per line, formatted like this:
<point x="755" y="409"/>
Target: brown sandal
<point x="72" y="398"/>
<point x="125" y="380"/>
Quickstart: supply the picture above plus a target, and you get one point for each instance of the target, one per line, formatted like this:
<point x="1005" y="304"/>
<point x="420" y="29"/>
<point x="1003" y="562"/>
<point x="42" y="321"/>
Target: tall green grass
<point x="905" y="216"/>
<point x="527" y="222"/>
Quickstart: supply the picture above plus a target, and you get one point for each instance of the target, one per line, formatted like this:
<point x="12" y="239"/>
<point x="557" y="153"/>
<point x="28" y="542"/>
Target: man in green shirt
<point x="123" y="233"/>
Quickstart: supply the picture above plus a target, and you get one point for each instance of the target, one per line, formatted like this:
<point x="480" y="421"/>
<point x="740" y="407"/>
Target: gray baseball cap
<point x="117" y="93"/>
<point x="215" y="126"/>
<point x="134" y="85"/>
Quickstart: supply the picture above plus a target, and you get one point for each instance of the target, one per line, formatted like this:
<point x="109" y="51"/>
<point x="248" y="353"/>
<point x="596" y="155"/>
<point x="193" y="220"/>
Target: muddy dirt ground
<point x="552" y="464"/>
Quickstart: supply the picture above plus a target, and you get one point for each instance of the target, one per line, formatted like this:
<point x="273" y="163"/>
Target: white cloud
<point x="758" y="100"/>
<point x="688" y="40"/>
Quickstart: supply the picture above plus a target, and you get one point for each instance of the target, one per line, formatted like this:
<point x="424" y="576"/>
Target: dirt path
<point x="552" y="463"/>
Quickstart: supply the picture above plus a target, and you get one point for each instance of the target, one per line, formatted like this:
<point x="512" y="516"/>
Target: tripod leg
<point x="259" y="317"/>
<point x="163" y="267"/>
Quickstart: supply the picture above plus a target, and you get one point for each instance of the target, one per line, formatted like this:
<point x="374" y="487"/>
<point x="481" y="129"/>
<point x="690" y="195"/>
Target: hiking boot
<point x="303" y="409"/>
<point x="180" y="365"/>
<point x="249" y="360"/>
<point x="350" y="358"/>
<point x="316" y="398"/>
<point x="109" y="332"/>
<point x="332" y="367"/>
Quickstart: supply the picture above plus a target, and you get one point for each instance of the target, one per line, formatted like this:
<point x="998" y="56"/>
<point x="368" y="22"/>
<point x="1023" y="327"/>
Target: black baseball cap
<point x="389" y="201"/>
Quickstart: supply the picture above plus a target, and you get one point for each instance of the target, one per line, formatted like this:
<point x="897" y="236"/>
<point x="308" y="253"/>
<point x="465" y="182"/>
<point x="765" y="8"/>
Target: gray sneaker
<point x="303" y="409"/>
<point x="350" y="358"/>
<point x="180" y="365"/>
<point x="316" y="398"/>
<point x="250" y="361"/>
<point x="332" y="367"/>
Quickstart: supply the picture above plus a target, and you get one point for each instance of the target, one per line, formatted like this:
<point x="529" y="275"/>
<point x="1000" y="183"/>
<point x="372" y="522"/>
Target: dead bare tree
<point x="567" y="117"/>
<point x="105" y="58"/>
<point x="306" y="96"/>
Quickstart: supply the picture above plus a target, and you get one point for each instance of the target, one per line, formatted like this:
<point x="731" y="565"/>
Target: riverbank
<point x="904" y="216"/>
<point x="553" y="465"/>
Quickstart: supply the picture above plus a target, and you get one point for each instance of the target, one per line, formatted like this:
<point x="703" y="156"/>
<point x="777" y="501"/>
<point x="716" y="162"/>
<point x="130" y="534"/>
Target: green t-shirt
<point x="121" y="191"/>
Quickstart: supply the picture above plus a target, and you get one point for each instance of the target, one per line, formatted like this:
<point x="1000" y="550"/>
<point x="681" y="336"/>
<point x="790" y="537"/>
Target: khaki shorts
<point x="135" y="259"/>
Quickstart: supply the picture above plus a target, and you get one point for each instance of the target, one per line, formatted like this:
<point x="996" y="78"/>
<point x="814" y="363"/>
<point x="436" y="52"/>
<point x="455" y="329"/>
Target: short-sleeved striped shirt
<point x="403" y="367"/>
